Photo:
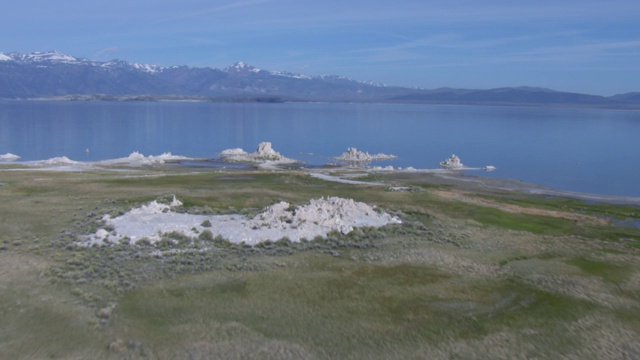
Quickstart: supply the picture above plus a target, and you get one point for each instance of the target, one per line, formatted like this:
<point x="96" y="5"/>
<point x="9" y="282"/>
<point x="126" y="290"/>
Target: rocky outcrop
<point x="452" y="163"/>
<point x="353" y="155"/>
<point x="9" y="157"/>
<point x="136" y="159"/>
<point x="318" y="218"/>
<point x="264" y="153"/>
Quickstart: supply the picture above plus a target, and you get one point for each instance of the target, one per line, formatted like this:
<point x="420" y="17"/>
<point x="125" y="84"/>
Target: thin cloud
<point x="594" y="51"/>
<point x="334" y="13"/>
<point x="218" y="9"/>
<point x="105" y="52"/>
<point x="199" y="40"/>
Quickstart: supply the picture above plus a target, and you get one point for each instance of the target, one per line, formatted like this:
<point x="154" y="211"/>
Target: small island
<point x="263" y="154"/>
<point x="451" y="163"/>
<point x="355" y="158"/>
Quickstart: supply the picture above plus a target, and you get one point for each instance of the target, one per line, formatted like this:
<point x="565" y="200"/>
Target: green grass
<point x="342" y="309"/>
<point x="626" y="235"/>
<point x="548" y="225"/>
<point x="41" y="320"/>
<point x="609" y="211"/>
<point x="531" y="223"/>
<point x="215" y="190"/>
<point x="396" y="292"/>
<point x="615" y="273"/>
<point x="536" y="224"/>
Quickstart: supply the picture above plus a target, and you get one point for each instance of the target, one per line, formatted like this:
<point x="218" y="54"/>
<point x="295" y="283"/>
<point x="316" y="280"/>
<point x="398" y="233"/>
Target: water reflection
<point x="582" y="150"/>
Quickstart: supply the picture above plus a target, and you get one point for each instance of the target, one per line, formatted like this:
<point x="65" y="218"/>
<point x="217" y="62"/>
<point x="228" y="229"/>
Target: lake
<point x="585" y="150"/>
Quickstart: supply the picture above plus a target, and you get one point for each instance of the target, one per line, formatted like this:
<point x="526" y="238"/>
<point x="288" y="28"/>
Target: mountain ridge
<point x="54" y="74"/>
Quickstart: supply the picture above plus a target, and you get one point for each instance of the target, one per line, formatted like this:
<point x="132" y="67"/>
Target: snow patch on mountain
<point x="51" y="56"/>
<point x="118" y="64"/>
<point x="152" y="69"/>
<point x="39" y="57"/>
<point x="373" y="83"/>
<point x="291" y="75"/>
<point x="242" y="67"/>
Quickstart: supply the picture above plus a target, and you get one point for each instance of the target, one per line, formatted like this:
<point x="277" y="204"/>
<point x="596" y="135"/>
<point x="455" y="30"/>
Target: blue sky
<point x="582" y="46"/>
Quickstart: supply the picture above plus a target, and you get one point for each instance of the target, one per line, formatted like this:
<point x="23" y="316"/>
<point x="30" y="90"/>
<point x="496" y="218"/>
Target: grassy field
<point x="471" y="273"/>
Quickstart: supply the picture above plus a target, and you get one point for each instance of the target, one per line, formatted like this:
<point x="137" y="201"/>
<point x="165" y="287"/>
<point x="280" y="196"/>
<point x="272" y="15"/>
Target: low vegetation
<point x="470" y="273"/>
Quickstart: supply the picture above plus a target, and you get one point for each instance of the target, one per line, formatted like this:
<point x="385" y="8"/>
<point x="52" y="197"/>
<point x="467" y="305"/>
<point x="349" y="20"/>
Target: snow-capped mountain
<point x="241" y="67"/>
<point x="39" y="57"/>
<point x="55" y="74"/>
<point x="56" y="58"/>
<point x="46" y="74"/>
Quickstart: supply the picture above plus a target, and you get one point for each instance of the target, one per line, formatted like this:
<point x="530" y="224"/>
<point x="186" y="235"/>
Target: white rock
<point x="136" y="159"/>
<point x="263" y="154"/>
<point x="61" y="160"/>
<point x="451" y="163"/>
<point x="353" y="155"/>
<point x="9" y="157"/>
<point x="317" y="218"/>
<point x="102" y="234"/>
<point x="232" y="152"/>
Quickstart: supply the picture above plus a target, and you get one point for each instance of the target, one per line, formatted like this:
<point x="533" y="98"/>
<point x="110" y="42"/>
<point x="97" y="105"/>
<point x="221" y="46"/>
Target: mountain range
<point x="60" y="76"/>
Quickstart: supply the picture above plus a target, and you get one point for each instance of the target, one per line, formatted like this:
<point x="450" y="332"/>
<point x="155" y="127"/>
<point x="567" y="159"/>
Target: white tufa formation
<point x="353" y="155"/>
<point x="451" y="163"/>
<point x="280" y="220"/>
<point x="9" y="157"/>
<point x="264" y="153"/>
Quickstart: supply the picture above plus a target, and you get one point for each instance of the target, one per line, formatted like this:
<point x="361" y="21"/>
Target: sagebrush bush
<point x="206" y="235"/>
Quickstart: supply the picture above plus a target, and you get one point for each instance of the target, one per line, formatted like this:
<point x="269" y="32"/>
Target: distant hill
<point x="631" y="98"/>
<point x="517" y="95"/>
<point x="61" y="76"/>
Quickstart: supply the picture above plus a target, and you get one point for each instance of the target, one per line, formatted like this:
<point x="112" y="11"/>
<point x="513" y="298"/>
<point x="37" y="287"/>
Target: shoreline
<point x="137" y="161"/>
<point x="539" y="189"/>
<point x="281" y="100"/>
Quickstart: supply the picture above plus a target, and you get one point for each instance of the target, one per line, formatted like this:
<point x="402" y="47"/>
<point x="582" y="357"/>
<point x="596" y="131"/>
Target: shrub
<point x="178" y="236"/>
<point x="206" y="235"/>
<point x="222" y="242"/>
<point x="291" y="209"/>
<point x="143" y="242"/>
<point x="285" y="241"/>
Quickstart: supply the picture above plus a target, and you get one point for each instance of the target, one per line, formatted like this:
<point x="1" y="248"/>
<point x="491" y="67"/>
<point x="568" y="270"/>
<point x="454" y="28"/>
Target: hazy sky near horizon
<point x="588" y="46"/>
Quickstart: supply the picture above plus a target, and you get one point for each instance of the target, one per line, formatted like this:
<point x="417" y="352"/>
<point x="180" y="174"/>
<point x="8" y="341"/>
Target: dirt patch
<point x="516" y="209"/>
<point x="16" y="267"/>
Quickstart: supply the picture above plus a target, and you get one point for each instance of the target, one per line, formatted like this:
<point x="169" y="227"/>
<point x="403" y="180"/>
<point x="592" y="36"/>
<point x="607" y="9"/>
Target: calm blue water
<point x="593" y="151"/>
